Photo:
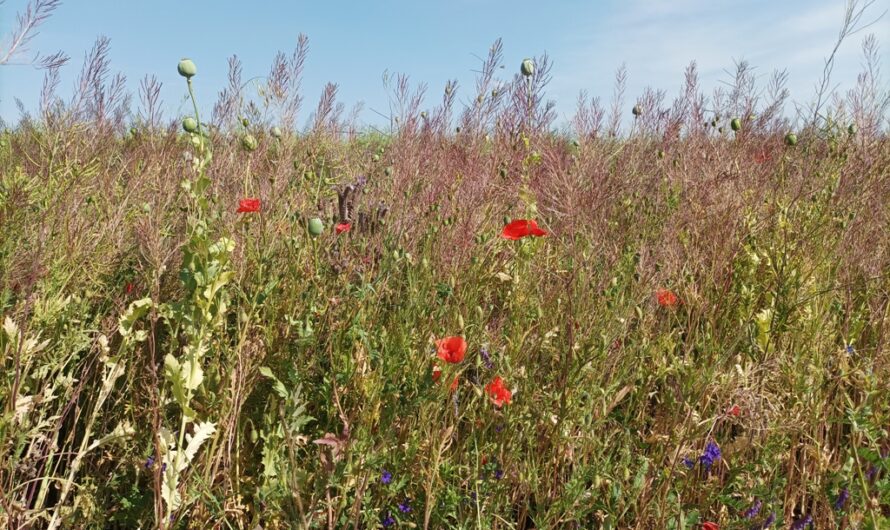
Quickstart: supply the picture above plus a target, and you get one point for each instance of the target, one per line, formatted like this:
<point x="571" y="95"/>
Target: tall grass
<point x="169" y="362"/>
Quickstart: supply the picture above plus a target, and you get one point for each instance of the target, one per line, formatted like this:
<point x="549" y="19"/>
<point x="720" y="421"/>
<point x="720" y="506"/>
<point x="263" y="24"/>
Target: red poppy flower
<point x="709" y="526"/>
<point x="520" y="228"/>
<point x="342" y="227"/>
<point x="666" y="298"/>
<point x="437" y="373"/>
<point x="248" y="205"/>
<point x="451" y="349"/>
<point x="130" y="288"/>
<point x="762" y="156"/>
<point x="734" y="410"/>
<point x="498" y="392"/>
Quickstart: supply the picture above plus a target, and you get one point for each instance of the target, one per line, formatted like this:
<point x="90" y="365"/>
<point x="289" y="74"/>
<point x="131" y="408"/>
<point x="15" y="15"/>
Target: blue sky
<point x="353" y="43"/>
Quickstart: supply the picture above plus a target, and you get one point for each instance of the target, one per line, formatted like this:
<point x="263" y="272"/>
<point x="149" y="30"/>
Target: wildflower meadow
<point x="666" y="314"/>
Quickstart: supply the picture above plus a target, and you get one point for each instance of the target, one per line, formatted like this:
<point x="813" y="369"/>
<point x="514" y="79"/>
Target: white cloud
<point x="658" y="39"/>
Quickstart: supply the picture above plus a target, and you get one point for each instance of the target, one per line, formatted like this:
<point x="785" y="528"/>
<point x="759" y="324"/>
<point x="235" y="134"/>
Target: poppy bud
<point x="276" y="132"/>
<point x="852" y="129"/>
<point x="248" y="142"/>
<point x="457" y="130"/>
<point x="388" y="171"/>
<point x="187" y="68"/>
<point x="790" y="139"/>
<point x="660" y="153"/>
<point x="316" y="227"/>
<point x="244" y="122"/>
<point x="376" y="158"/>
<point x="527" y="68"/>
<point x="637" y="111"/>
<point x="190" y="125"/>
<point x="423" y="115"/>
<point x="736" y="124"/>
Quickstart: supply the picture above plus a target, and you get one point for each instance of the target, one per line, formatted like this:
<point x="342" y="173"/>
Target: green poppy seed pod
<point x="506" y="219"/>
<point x="736" y="124"/>
<point x="575" y="143"/>
<point x="248" y="142"/>
<point x="790" y="139"/>
<point x="423" y="115"/>
<point x="852" y="129"/>
<point x="316" y="227"/>
<point x="244" y="122"/>
<point x="527" y="68"/>
<point x="713" y="123"/>
<point x="190" y="125"/>
<point x="720" y="130"/>
<point x="376" y="158"/>
<point x="187" y="68"/>
<point x="660" y="153"/>
<point x="637" y="111"/>
<point x="494" y="93"/>
<point x="503" y="172"/>
<point x="388" y="171"/>
<point x="276" y="132"/>
<point x="134" y="131"/>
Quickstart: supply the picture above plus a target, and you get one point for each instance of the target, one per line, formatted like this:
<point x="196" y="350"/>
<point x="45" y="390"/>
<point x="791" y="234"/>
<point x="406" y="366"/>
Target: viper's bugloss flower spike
<point x="800" y="524"/>
<point x="841" y="499"/>
<point x="711" y="455"/>
<point x="405" y="506"/>
<point x="752" y="512"/>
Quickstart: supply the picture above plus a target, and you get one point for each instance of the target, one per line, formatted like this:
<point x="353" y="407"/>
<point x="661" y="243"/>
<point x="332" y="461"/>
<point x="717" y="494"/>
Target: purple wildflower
<point x="388" y="521"/>
<point x="386" y="477"/>
<point x="498" y="474"/>
<point x="405" y="506"/>
<point x="769" y="520"/>
<point x="752" y="512"/>
<point x="711" y="455"/>
<point x="872" y="471"/>
<point x="800" y="524"/>
<point x="841" y="499"/>
<point x="486" y="358"/>
<point x="150" y="462"/>
<point x="850" y="349"/>
<point x="688" y="462"/>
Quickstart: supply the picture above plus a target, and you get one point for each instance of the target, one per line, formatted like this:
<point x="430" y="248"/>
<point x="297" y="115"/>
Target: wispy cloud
<point x="657" y="40"/>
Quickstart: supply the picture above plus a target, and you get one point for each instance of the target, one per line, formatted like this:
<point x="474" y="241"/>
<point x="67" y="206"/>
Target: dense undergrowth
<point x="700" y="336"/>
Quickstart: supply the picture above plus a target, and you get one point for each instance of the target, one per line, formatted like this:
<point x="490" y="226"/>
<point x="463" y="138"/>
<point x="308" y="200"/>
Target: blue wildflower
<point x="769" y="520"/>
<point x="872" y="471"/>
<point x="711" y="455"/>
<point x="150" y="462"/>
<point x="850" y="349"/>
<point x="800" y="524"/>
<point x="405" y="506"/>
<point x="498" y="474"/>
<point x="386" y="477"/>
<point x="841" y="499"/>
<point x="688" y="462"/>
<point x="752" y="512"/>
<point x="388" y="521"/>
